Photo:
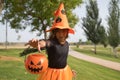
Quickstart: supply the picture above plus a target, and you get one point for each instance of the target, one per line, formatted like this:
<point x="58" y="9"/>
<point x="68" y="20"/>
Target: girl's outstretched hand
<point x="35" y="43"/>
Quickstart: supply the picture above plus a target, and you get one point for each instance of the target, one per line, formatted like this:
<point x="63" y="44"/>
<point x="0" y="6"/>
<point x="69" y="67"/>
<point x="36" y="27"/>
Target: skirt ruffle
<point x="56" y="74"/>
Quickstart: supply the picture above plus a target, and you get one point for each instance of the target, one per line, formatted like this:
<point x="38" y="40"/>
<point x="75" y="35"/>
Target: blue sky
<point x="79" y="33"/>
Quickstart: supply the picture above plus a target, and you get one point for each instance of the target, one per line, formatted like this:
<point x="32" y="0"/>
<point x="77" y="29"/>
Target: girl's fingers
<point x="34" y="40"/>
<point x="33" y="43"/>
<point x="26" y="44"/>
<point x="39" y="47"/>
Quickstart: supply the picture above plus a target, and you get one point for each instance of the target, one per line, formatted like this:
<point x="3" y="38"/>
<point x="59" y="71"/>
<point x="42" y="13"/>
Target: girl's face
<point x="61" y="35"/>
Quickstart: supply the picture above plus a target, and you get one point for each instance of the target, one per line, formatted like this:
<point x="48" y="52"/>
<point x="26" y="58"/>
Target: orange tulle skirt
<point x="56" y="74"/>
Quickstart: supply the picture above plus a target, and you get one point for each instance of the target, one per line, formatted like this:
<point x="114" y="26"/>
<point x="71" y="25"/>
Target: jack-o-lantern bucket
<point x="36" y="63"/>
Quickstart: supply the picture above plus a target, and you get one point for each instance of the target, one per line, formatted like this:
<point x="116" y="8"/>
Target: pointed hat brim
<point x="59" y="27"/>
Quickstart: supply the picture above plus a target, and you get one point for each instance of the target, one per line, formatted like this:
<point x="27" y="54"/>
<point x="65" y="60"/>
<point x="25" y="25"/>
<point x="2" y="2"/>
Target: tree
<point x="1" y="5"/>
<point x="114" y="23"/>
<point x="104" y="37"/>
<point x="78" y="43"/>
<point x="92" y="24"/>
<point x="36" y="14"/>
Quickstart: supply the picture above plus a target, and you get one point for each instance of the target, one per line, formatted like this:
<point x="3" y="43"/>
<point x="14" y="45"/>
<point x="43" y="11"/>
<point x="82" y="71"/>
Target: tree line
<point x="96" y="32"/>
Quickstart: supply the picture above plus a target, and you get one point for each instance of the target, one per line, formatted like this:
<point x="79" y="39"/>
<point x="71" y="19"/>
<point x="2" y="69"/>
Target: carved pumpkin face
<point x="36" y="63"/>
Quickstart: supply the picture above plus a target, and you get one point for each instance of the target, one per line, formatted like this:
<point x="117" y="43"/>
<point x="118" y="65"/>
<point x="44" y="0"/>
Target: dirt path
<point x="8" y="58"/>
<point x="106" y="63"/>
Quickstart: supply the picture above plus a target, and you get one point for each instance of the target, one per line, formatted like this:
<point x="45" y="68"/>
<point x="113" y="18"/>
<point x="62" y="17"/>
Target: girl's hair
<point x="53" y="34"/>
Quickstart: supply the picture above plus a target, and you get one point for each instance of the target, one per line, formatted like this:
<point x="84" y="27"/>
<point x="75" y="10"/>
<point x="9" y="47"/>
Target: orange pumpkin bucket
<point x="36" y="63"/>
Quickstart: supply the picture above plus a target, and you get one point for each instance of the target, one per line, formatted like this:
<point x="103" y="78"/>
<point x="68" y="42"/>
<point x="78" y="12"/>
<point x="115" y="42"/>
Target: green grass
<point x="14" y="70"/>
<point x="89" y="71"/>
<point x="104" y="53"/>
<point x="10" y="52"/>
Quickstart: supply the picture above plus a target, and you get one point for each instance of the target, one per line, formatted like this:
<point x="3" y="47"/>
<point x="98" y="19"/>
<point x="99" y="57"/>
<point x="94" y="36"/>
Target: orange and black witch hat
<point x="61" y="21"/>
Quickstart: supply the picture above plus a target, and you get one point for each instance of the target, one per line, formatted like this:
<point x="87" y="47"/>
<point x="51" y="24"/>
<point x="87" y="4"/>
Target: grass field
<point x="104" y="53"/>
<point x="14" y="69"/>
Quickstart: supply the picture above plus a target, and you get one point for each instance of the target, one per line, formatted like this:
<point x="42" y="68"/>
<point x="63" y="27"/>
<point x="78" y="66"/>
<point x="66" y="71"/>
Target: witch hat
<point x="61" y="21"/>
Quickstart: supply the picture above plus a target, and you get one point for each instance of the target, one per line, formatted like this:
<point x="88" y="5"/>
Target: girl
<point x="57" y="48"/>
